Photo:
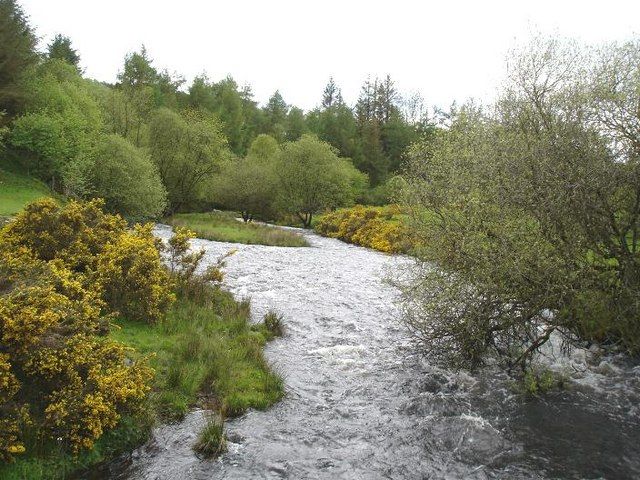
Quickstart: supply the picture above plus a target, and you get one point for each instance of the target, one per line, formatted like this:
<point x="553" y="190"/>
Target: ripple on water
<point x="361" y="405"/>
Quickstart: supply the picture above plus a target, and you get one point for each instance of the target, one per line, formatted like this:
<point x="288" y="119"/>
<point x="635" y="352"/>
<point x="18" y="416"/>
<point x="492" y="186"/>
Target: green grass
<point x="223" y="227"/>
<point x="16" y="190"/>
<point x="48" y="462"/>
<point x="211" y="440"/>
<point x="205" y="353"/>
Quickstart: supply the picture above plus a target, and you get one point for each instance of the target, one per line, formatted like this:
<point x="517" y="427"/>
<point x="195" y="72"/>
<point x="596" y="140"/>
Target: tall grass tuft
<point x="211" y="441"/>
<point x="205" y="350"/>
<point x="273" y="321"/>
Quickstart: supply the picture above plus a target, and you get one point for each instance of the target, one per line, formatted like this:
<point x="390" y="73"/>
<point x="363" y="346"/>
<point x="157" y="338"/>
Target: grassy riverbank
<point x="223" y="227"/>
<point x="205" y="353"/>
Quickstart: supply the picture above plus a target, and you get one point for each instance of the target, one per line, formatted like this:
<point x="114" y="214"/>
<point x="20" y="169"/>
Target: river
<point x="361" y="404"/>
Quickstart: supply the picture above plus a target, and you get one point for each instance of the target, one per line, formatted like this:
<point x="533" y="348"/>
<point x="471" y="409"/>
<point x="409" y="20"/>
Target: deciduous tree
<point x="312" y="178"/>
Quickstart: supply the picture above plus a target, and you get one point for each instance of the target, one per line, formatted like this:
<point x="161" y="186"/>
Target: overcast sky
<point x="446" y="50"/>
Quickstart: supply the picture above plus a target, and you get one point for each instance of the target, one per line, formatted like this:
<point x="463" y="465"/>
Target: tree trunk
<point x="306" y="219"/>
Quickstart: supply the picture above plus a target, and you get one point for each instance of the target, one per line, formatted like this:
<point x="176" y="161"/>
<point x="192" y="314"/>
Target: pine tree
<point x="332" y="96"/>
<point x="275" y="117"/>
<point x="373" y="160"/>
<point x="365" y="106"/>
<point x="61" y="48"/>
<point x="17" y="54"/>
<point x="385" y="100"/>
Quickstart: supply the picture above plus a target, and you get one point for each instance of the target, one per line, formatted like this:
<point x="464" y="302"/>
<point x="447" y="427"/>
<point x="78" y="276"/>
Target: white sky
<point x="446" y="50"/>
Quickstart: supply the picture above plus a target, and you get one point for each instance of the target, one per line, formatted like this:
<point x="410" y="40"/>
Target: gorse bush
<point x="75" y="233"/>
<point x="373" y="227"/>
<point x="13" y="416"/>
<point x="184" y="263"/>
<point x="135" y="282"/>
<point x="60" y="377"/>
<point x="124" y="265"/>
<point x="65" y="273"/>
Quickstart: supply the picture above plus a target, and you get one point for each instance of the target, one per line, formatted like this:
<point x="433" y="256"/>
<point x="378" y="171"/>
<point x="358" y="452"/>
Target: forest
<point x="193" y="147"/>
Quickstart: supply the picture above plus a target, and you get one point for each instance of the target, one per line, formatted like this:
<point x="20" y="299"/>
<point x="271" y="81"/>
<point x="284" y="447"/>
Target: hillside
<point x="18" y="189"/>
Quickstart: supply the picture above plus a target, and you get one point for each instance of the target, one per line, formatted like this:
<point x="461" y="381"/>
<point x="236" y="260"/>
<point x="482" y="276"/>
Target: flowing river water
<point x="361" y="404"/>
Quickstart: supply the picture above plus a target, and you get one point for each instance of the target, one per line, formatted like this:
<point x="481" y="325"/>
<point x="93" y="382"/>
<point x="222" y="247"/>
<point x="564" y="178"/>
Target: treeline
<point x="148" y="144"/>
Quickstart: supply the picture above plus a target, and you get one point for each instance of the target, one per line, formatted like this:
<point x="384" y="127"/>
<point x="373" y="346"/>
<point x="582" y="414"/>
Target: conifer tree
<point x="17" y="54"/>
<point x="332" y="96"/>
<point x="61" y="48"/>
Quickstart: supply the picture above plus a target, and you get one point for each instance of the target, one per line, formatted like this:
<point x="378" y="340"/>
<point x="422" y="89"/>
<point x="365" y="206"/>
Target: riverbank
<point x="223" y="227"/>
<point x="91" y="360"/>
<point x="205" y="354"/>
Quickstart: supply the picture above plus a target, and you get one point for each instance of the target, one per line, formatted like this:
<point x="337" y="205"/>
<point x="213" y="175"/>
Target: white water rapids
<point x="361" y="404"/>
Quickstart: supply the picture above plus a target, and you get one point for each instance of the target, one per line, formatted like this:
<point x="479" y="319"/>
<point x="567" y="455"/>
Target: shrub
<point x="184" y="263"/>
<point x="534" y="212"/>
<point x="55" y="369"/>
<point x="247" y="186"/>
<point x="372" y="227"/>
<point x="125" y="177"/>
<point x="12" y="415"/>
<point x="538" y="381"/>
<point x="60" y="121"/>
<point x="125" y="265"/>
<point x="74" y="233"/>
<point x="134" y="280"/>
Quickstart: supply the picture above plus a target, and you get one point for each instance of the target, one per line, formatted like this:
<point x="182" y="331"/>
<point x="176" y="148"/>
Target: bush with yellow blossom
<point x="74" y="233"/>
<point x="61" y="270"/>
<point x="380" y="228"/>
<point x="184" y="263"/>
<point x="135" y="282"/>
<point x="124" y="265"/>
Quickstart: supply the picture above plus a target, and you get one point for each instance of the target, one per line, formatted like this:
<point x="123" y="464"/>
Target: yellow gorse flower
<point x="63" y="272"/>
